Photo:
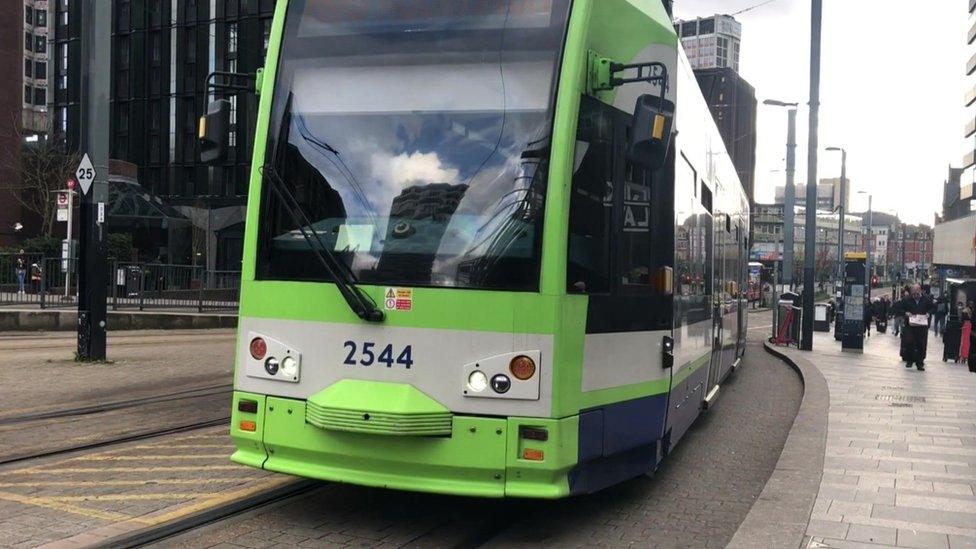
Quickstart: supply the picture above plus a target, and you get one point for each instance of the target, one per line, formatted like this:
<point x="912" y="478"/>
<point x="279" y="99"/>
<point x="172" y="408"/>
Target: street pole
<point x="789" y="208"/>
<point x="809" y="249"/>
<point x="67" y="271"/>
<point x="870" y="259"/>
<point x="96" y="80"/>
<point x="843" y="207"/>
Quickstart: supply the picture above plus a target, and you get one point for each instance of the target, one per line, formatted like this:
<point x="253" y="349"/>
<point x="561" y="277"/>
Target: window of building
<point x="232" y="38"/>
<point x="40" y="18"/>
<point x="689" y="28"/>
<point x="40" y="44"/>
<point x="706" y="26"/>
<point x="40" y="70"/>
<point x="28" y="41"/>
<point x="40" y="96"/>
<point x="28" y="15"/>
<point x="28" y="93"/>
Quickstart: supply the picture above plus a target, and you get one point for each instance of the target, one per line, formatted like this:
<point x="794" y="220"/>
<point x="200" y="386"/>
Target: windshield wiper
<point x="360" y="303"/>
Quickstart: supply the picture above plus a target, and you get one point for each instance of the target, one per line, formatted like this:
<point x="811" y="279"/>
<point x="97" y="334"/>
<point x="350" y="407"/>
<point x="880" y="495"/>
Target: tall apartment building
<point x="711" y="42"/>
<point x="732" y="102"/>
<point x="35" y="66"/>
<point x="11" y="55"/>
<point x="162" y="53"/>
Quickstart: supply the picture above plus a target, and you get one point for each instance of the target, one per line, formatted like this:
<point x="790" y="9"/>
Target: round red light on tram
<point x="258" y="348"/>
<point x="522" y="367"/>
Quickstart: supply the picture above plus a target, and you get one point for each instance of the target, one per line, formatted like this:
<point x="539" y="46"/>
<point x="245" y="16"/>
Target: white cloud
<point x="404" y="170"/>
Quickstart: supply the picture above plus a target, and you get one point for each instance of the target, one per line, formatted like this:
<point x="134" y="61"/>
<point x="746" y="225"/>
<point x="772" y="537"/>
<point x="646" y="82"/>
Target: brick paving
<point x="82" y="500"/>
<point x="697" y="499"/>
<point x="900" y="464"/>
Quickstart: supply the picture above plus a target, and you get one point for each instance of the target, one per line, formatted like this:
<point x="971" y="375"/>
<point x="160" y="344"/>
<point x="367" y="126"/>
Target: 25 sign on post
<point x="85" y="174"/>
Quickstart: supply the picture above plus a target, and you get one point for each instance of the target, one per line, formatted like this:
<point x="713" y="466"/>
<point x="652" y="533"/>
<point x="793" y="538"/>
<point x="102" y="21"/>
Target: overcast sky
<point x="893" y="82"/>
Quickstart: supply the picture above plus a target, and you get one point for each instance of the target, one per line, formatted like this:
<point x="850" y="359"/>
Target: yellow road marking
<point x="219" y="499"/>
<point x="140" y="482"/>
<point x="99" y="457"/>
<point x="131" y="469"/>
<point x="51" y="503"/>
<point x="228" y="445"/>
<point x="128" y="497"/>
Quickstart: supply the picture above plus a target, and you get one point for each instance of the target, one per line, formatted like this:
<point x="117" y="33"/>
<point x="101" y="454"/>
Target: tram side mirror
<point x="650" y="136"/>
<point x="213" y="132"/>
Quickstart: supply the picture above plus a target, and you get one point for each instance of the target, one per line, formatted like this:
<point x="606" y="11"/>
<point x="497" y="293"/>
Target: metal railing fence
<point x="51" y="282"/>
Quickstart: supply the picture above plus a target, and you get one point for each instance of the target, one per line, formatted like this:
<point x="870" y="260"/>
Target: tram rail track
<point x="198" y="392"/>
<point x="132" y="437"/>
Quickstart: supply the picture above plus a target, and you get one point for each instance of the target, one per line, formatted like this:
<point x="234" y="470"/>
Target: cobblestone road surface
<point x="697" y="499"/>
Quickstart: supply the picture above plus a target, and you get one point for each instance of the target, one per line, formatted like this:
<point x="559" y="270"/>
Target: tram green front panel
<point x="482" y="457"/>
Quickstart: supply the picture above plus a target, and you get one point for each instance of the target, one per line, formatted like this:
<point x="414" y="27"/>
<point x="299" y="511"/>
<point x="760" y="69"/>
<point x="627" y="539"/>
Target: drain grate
<point x="899" y="398"/>
<point x="900" y="405"/>
<point x="891" y="388"/>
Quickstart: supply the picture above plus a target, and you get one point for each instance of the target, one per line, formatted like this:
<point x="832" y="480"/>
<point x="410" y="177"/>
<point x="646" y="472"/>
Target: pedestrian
<point x="970" y="356"/>
<point x="898" y="314"/>
<point x="916" y="308"/>
<point x="941" y="312"/>
<point x="966" y="322"/>
<point x="20" y="269"/>
<point x="867" y="318"/>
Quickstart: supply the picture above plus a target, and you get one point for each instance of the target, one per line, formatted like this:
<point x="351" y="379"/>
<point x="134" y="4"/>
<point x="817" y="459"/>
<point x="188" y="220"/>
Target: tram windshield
<point x="415" y="136"/>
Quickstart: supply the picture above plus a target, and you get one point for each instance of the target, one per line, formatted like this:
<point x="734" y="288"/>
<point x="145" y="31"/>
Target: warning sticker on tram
<point x="398" y="299"/>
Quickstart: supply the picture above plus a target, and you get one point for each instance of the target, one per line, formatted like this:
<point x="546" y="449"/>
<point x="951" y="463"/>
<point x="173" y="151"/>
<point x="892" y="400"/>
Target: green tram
<point x="494" y="247"/>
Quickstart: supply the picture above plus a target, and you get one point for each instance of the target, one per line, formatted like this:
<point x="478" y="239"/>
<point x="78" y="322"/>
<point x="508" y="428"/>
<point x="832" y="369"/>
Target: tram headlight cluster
<point x="507" y="376"/>
<point x="272" y="359"/>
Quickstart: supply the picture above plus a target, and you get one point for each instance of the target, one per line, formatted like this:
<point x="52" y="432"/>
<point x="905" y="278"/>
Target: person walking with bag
<point x="916" y="309"/>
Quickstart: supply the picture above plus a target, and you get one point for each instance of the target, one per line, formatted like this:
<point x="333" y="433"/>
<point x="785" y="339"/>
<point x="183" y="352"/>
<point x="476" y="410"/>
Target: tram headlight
<point x="271" y="366"/>
<point x="477" y="381"/>
<point x="501" y="384"/>
<point x="289" y="367"/>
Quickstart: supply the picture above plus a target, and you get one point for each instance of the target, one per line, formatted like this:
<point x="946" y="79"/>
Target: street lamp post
<point x="841" y="210"/>
<point x="790" y="191"/>
<point x="869" y="263"/>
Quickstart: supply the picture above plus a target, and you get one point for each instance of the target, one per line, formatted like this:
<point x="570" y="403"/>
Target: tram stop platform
<point x="898" y="460"/>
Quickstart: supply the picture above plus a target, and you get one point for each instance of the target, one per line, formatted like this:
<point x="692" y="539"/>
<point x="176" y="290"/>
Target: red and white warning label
<point x="398" y="299"/>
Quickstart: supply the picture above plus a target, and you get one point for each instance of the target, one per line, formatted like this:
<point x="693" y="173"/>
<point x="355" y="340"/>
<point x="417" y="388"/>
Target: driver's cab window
<point x="613" y="211"/>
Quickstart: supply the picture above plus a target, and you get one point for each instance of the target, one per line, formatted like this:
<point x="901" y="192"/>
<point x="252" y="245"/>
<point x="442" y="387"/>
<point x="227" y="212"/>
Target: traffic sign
<point x="85" y="174"/>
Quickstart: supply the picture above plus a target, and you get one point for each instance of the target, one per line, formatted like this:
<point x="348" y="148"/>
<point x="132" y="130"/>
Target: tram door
<point x="718" y="307"/>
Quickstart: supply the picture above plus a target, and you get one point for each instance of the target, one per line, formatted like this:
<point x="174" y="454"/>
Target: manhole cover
<point x="899" y="398"/>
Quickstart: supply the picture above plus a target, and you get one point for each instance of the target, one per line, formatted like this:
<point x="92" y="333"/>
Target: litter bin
<point x="821" y="322"/>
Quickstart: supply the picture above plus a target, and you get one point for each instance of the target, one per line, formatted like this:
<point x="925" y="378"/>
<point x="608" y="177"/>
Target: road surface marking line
<point x="172" y="446"/>
<point x="141" y="482"/>
<point x="59" y="506"/>
<point x="220" y="499"/>
<point x="133" y="469"/>
<point x="128" y="497"/>
<point x="98" y="457"/>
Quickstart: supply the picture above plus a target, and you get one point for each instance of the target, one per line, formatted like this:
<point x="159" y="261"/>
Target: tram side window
<point x="635" y="232"/>
<point x="591" y="205"/>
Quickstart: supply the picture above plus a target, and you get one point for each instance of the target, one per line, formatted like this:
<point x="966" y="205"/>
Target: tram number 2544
<point x="366" y="354"/>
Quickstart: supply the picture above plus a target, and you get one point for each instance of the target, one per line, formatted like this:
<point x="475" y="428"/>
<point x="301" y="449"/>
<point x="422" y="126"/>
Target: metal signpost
<point x="92" y="176"/>
<point x="66" y="198"/>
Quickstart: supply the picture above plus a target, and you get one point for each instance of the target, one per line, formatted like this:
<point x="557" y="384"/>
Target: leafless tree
<point x="43" y="168"/>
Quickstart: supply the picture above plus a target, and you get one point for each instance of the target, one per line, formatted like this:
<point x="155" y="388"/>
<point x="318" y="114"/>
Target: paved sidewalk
<point x="900" y="464"/>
